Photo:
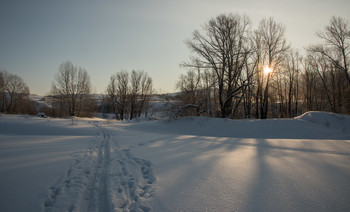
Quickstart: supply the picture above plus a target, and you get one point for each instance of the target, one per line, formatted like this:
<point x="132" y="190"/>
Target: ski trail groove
<point x="103" y="188"/>
<point x="106" y="177"/>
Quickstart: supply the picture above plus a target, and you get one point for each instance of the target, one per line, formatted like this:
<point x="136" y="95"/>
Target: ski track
<point x="106" y="177"/>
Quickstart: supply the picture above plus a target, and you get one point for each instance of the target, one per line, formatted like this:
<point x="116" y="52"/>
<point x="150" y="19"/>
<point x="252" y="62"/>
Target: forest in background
<point x="234" y="72"/>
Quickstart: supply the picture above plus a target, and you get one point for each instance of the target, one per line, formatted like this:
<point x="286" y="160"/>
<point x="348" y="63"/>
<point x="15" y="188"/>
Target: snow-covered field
<point x="190" y="164"/>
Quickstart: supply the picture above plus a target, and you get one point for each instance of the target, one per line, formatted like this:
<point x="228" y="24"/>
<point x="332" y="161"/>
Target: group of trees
<point x="234" y="72"/>
<point x="13" y="94"/>
<point x="71" y="93"/>
<point x="237" y="72"/>
<point x="129" y="94"/>
<point x="329" y="61"/>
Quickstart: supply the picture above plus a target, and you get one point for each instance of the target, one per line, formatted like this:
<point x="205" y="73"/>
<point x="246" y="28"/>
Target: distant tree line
<point x="236" y="72"/>
<point x="127" y="97"/>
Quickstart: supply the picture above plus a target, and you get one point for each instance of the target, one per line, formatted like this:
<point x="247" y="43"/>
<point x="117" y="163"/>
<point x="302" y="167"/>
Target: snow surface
<point x="190" y="164"/>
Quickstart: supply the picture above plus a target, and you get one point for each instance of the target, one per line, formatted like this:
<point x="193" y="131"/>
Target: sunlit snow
<point x="189" y="164"/>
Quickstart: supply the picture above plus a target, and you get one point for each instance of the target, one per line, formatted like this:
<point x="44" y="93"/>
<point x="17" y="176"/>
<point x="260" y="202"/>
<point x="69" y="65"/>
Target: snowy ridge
<point x="329" y="120"/>
<point x="105" y="178"/>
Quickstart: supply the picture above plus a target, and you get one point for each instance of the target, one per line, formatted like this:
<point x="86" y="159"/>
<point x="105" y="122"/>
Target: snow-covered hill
<point x="190" y="164"/>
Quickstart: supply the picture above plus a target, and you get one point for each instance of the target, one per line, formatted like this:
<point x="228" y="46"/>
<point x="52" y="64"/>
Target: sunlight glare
<point x="267" y="70"/>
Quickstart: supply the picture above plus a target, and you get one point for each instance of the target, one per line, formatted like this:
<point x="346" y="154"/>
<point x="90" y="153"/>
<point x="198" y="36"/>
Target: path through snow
<point x="106" y="177"/>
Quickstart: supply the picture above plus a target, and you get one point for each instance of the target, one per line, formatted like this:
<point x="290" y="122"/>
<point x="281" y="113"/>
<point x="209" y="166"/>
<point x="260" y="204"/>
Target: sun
<point x="267" y="70"/>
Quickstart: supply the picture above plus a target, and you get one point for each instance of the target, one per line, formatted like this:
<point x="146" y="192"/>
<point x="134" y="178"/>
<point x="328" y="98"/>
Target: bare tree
<point x="288" y="89"/>
<point x="72" y="85"/>
<point x="17" y="90"/>
<point x="336" y="46"/>
<point x="135" y="81"/>
<point x="249" y="90"/>
<point x="3" y="85"/>
<point x="224" y="49"/>
<point x="118" y="89"/>
<point x="310" y="85"/>
<point x="112" y="93"/>
<point x="270" y="46"/>
<point x="191" y="93"/>
<point x="145" y="93"/>
<point x="208" y="88"/>
<point x="14" y="93"/>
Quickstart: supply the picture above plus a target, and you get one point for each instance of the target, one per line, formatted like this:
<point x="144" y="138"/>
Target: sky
<point x="108" y="36"/>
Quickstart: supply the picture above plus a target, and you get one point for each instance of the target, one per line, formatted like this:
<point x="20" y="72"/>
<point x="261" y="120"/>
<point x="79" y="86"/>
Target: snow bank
<point x="270" y="128"/>
<point x="329" y="120"/>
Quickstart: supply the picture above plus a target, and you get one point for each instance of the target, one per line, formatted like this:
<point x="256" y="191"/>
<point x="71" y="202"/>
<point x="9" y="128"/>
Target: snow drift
<point x="328" y="120"/>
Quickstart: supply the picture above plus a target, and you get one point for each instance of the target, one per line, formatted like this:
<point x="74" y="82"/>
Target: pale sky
<point x="107" y="36"/>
